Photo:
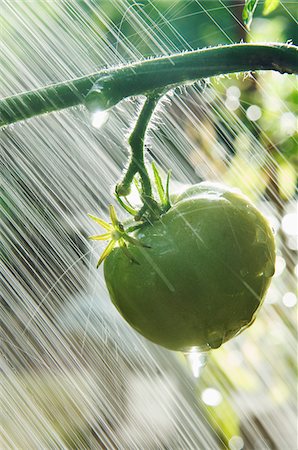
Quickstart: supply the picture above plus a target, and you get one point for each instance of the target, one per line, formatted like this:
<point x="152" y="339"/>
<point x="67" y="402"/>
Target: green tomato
<point x="205" y="275"/>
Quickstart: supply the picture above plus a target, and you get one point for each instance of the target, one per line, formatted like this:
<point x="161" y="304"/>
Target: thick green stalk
<point x="150" y="75"/>
<point x="137" y="162"/>
<point x="136" y="142"/>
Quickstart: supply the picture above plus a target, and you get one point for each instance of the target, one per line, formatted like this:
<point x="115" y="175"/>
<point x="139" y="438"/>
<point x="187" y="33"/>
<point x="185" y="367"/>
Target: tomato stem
<point x="137" y="160"/>
<point x="136" y="142"/>
<point x="145" y="77"/>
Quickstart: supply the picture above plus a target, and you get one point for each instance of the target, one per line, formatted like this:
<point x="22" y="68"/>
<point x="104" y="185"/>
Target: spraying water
<point x="74" y="374"/>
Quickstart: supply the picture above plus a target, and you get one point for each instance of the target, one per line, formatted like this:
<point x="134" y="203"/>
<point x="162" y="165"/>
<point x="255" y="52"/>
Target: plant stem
<point x="147" y="76"/>
<point x="136" y="142"/>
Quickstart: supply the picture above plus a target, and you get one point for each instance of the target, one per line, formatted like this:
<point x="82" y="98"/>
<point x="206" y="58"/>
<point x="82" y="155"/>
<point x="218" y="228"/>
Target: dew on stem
<point x="99" y="118"/>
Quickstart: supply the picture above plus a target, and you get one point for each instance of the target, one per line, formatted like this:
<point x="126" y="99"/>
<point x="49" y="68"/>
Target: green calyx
<point x="152" y="209"/>
<point x="117" y="234"/>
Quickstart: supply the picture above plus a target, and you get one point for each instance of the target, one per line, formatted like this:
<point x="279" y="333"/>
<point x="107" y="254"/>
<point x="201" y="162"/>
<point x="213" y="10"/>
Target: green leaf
<point x="270" y="6"/>
<point x="134" y="227"/>
<point x="127" y="208"/>
<point x="106" y="253"/>
<point x="101" y="222"/>
<point x="113" y="216"/>
<point x="168" y="203"/>
<point x="158" y="184"/>
<point x="248" y="12"/>
<point x="100" y="237"/>
<point x="138" y="185"/>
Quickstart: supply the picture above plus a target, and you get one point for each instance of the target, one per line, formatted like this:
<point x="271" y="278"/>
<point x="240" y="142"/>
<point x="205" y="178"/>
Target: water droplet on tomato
<point x="196" y="359"/>
<point x="269" y="269"/>
<point x="251" y="214"/>
<point x="215" y="338"/>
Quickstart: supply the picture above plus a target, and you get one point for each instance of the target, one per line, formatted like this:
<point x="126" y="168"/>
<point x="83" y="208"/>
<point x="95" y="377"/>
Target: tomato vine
<point x="152" y="78"/>
<point x="110" y="86"/>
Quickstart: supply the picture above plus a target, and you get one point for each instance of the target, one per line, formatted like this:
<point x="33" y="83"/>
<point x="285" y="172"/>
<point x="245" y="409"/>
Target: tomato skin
<point x="205" y="275"/>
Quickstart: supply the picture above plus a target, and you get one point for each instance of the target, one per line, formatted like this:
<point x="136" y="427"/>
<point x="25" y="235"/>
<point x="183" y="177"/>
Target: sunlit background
<point x="74" y="374"/>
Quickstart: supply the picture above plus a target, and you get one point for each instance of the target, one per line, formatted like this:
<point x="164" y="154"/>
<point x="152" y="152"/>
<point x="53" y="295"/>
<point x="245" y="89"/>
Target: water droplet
<point x="99" y="118"/>
<point x="251" y="321"/>
<point x="196" y="359"/>
<point x="269" y="269"/>
<point x="245" y="323"/>
<point x="251" y="214"/>
<point x="215" y="338"/>
<point x="214" y="194"/>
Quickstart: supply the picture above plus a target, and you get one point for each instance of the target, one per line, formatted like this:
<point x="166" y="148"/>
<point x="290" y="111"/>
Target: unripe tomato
<point x="205" y="275"/>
